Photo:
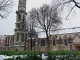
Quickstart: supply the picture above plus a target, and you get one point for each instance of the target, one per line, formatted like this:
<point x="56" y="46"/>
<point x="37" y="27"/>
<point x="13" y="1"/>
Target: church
<point x="63" y="39"/>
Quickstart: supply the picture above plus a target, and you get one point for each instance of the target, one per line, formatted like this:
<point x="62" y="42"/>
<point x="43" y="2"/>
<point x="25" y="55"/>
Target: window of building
<point x="6" y="42"/>
<point x="10" y="40"/>
<point x="18" y="26"/>
<point x="33" y="43"/>
<point x="42" y="42"/>
<point x="23" y="18"/>
<point x="54" y="42"/>
<point x="19" y="17"/>
<point x="22" y="26"/>
<point x="65" y="42"/>
<point x="17" y="36"/>
<point x="13" y="39"/>
<point x="22" y="37"/>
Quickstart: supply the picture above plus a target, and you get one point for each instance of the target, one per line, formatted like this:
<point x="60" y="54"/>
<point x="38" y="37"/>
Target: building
<point x="62" y="39"/>
<point x="9" y="42"/>
<point x="2" y="41"/>
<point x="20" y="30"/>
<point x="68" y="41"/>
<point x="2" y="37"/>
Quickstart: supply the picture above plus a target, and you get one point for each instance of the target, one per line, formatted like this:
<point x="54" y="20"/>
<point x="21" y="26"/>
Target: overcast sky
<point x="7" y="26"/>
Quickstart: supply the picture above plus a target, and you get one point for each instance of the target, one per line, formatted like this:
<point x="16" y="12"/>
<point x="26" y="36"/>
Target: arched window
<point x="22" y="35"/>
<point x="11" y="39"/>
<point x="33" y="43"/>
<point x="23" y="18"/>
<point x="65" y="42"/>
<point x="42" y="42"/>
<point x="19" y="17"/>
<point x="8" y="40"/>
<point x="18" y="26"/>
<point x="17" y="37"/>
<point x="54" y="42"/>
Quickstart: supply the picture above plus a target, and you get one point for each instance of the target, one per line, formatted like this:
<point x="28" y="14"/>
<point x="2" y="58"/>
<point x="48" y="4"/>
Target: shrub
<point x="63" y="55"/>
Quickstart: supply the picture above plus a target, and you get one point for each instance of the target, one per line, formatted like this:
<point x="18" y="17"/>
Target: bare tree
<point x="5" y="6"/>
<point x="46" y="17"/>
<point x="31" y="30"/>
<point x="31" y="27"/>
<point x="71" y="4"/>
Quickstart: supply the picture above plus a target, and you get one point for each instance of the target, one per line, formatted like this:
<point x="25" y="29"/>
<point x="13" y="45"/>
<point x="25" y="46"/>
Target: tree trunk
<point x="31" y="43"/>
<point x="47" y="38"/>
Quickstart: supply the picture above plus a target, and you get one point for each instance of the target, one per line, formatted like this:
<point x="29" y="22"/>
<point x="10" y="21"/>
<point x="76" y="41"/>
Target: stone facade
<point x="67" y="41"/>
<point x="9" y="42"/>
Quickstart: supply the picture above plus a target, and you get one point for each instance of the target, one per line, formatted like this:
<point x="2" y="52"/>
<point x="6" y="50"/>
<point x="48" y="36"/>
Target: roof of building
<point x="59" y="31"/>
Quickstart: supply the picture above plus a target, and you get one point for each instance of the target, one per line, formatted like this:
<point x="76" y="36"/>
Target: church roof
<point x="59" y="31"/>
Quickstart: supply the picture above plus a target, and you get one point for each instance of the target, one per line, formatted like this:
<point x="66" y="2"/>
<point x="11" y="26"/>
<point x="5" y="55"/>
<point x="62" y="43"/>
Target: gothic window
<point x="18" y="26"/>
<point x="42" y="42"/>
<point x="23" y="18"/>
<point x="65" y="42"/>
<point x="33" y="43"/>
<point x="19" y="17"/>
<point x="17" y="36"/>
<point x="22" y="26"/>
<point x="54" y="42"/>
<point x="6" y="41"/>
<point x="22" y="37"/>
<point x="10" y="40"/>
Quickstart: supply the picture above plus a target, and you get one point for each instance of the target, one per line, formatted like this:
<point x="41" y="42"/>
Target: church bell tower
<point x="20" y="29"/>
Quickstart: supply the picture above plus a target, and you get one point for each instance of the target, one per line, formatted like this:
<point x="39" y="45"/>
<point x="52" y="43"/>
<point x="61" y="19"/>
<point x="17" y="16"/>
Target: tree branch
<point x="70" y="11"/>
<point x="76" y="4"/>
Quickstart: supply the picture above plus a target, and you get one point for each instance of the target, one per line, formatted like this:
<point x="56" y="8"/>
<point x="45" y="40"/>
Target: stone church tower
<point x="20" y="30"/>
